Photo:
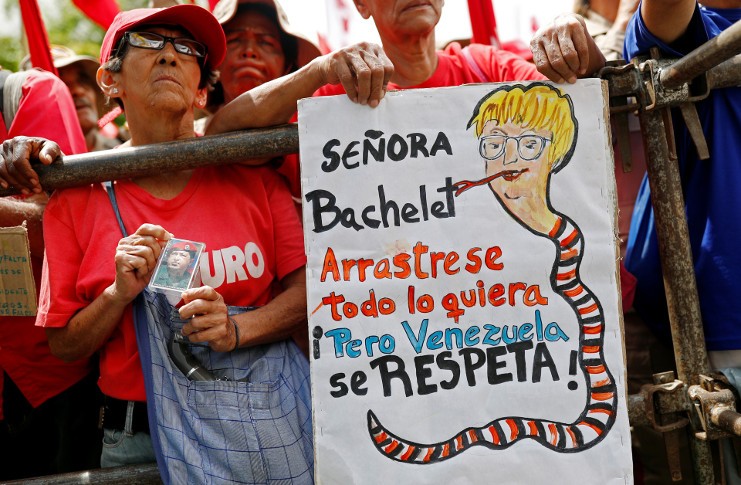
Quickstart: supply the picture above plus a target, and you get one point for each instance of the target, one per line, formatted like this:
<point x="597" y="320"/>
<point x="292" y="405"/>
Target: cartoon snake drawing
<point x="526" y="134"/>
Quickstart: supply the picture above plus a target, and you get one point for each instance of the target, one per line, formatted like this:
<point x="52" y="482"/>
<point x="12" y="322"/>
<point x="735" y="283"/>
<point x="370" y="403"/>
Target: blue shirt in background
<point x="712" y="194"/>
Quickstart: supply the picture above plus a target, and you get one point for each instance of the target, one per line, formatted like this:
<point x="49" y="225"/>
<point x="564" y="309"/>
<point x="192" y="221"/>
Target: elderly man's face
<point x="84" y="93"/>
<point x="178" y="262"/>
<point x="254" y="54"/>
<point x="398" y="18"/>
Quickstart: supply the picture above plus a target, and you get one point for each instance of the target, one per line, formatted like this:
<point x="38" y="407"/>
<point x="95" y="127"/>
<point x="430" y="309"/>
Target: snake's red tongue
<point x="508" y="175"/>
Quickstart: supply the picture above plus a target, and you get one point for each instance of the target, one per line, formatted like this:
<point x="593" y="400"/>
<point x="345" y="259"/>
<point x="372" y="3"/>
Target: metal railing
<point x="147" y="474"/>
<point x="140" y="161"/>
<point x="696" y="401"/>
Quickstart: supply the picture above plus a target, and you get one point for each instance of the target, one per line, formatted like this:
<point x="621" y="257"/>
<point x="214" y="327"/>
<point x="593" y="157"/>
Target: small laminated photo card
<point x="177" y="267"/>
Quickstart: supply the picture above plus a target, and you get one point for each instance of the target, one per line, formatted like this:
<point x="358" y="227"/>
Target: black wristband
<point x="236" y="330"/>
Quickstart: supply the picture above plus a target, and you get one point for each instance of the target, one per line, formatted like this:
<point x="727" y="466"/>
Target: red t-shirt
<point x="45" y="109"/>
<point x="244" y="215"/>
<point x="453" y="69"/>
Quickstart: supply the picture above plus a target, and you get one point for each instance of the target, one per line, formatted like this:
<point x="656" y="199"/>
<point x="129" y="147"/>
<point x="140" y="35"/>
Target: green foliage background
<point x="65" y="24"/>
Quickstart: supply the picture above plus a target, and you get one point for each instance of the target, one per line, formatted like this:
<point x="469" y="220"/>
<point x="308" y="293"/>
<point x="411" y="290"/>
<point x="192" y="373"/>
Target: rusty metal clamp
<point x="647" y="69"/>
<point x="624" y="81"/>
<point x="654" y="419"/>
<point x="712" y="402"/>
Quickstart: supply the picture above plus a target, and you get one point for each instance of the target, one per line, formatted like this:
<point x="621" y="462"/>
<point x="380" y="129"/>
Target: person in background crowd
<point x="709" y="188"/>
<point x="606" y="21"/>
<point x="261" y="46"/>
<point x="678" y="27"/>
<point x="49" y="411"/>
<point x="407" y="31"/>
<point x="158" y="64"/>
<point x="78" y="73"/>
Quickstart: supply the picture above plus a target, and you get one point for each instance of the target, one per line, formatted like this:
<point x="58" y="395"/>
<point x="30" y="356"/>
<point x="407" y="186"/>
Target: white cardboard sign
<point x="462" y="287"/>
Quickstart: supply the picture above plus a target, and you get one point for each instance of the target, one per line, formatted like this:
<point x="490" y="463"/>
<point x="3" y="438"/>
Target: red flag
<point x="102" y="12"/>
<point x="38" y="40"/>
<point x="483" y="23"/>
<point x="323" y="43"/>
<point x="534" y="24"/>
<point x="340" y="23"/>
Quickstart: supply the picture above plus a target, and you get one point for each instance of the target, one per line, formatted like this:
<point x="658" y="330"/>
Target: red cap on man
<point x="195" y="19"/>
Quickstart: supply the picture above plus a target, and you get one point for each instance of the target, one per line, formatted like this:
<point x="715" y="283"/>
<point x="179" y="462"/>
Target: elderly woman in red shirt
<point x="158" y="65"/>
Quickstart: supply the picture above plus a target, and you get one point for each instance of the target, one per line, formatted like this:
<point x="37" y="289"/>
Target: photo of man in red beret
<point x="177" y="269"/>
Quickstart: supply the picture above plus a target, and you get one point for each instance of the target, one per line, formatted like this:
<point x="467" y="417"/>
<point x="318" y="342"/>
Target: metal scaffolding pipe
<point x="638" y="410"/>
<point x="726" y="419"/>
<point x="674" y="247"/>
<point x="708" y="55"/>
<point x="726" y="74"/>
<point x="679" y="275"/>
<point x="139" y="161"/>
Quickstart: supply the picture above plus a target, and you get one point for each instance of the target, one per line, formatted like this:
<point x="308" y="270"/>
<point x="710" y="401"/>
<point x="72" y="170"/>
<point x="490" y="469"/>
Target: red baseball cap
<point x="193" y="18"/>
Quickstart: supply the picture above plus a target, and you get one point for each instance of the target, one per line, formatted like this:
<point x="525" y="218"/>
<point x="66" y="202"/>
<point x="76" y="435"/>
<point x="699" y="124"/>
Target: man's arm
<point x="667" y="19"/>
<point x="46" y="110"/>
<point x="206" y="314"/>
<point x="363" y="70"/>
<point x="90" y="328"/>
<point x="563" y="50"/>
<point x="16" y="156"/>
<point x="279" y="319"/>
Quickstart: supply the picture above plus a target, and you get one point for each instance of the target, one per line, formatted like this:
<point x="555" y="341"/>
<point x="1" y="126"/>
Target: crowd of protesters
<point x="245" y="67"/>
<point x="41" y="395"/>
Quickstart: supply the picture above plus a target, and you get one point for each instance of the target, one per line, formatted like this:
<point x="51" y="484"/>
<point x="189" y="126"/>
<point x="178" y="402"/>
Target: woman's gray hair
<point x="115" y="63"/>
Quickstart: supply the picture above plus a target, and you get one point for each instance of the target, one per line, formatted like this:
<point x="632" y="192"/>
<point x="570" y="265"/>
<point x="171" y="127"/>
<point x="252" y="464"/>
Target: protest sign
<point x="17" y="288"/>
<point x="463" y="287"/>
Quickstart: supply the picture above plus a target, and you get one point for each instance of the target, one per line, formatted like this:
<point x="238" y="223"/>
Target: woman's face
<point x="154" y="81"/>
<point x="254" y="54"/>
<point x="519" y="156"/>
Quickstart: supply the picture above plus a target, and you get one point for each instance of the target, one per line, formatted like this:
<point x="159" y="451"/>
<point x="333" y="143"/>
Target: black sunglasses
<point x="149" y="40"/>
